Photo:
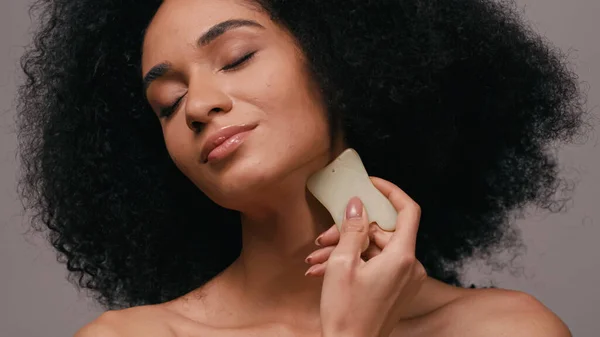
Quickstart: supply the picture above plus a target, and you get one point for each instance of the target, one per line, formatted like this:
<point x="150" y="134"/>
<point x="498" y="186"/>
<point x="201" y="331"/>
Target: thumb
<point x="354" y="232"/>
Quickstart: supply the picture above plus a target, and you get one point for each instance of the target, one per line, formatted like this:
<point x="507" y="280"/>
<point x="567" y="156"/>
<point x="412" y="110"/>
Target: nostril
<point x="197" y="126"/>
<point x="215" y="110"/>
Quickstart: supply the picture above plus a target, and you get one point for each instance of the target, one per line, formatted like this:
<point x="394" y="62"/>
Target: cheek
<point x="292" y="109"/>
<point x="301" y="120"/>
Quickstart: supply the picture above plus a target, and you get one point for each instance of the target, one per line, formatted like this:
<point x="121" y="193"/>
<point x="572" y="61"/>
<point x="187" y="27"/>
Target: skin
<point x="265" y="291"/>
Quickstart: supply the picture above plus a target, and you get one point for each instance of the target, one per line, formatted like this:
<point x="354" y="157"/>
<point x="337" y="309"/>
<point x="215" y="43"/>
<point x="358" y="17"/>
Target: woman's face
<point x="232" y="70"/>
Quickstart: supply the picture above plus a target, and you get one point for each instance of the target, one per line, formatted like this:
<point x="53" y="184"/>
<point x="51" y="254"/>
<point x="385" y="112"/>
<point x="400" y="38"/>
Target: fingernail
<point x="308" y="258"/>
<point x="310" y="270"/>
<point x="318" y="240"/>
<point x="373" y="227"/>
<point x="354" y="208"/>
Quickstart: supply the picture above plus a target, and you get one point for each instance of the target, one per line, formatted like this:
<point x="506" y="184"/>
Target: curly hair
<point x="458" y="102"/>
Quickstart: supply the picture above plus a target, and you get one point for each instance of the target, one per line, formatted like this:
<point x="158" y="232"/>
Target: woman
<point x="166" y="146"/>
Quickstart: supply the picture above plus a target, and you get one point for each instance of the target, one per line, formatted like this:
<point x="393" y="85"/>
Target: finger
<point x="378" y="236"/>
<point x="328" y="238"/>
<point x="317" y="270"/>
<point x="319" y="255"/>
<point x="354" y="233"/>
<point x="409" y="214"/>
<point x="420" y="273"/>
<point x="371" y="252"/>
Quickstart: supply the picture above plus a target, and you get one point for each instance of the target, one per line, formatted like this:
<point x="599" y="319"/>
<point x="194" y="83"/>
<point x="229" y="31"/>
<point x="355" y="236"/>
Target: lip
<point x="219" y="137"/>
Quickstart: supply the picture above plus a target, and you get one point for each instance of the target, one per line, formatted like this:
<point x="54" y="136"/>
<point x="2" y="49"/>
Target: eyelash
<point x="166" y="112"/>
<point x="239" y="62"/>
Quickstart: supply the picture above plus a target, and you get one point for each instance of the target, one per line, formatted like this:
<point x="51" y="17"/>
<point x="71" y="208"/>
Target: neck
<point x="271" y="266"/>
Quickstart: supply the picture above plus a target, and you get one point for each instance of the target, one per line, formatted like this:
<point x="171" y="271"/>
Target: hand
<point x="364" y="298"/>
<point x="377" y="239"/>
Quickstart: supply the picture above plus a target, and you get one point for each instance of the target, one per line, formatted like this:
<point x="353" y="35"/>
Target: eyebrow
<point x="212" y="34"/>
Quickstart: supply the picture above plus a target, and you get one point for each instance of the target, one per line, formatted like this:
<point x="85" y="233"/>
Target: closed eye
<point x="168" y="111"/>
<point x="239" y="62"/>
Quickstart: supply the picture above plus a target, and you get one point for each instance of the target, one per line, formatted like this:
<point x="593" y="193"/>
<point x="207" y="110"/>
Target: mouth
<point x="225" y="141"/>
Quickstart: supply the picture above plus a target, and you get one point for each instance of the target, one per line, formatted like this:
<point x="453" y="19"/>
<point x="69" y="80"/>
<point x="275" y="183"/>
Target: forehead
<point x="178" y="23"/>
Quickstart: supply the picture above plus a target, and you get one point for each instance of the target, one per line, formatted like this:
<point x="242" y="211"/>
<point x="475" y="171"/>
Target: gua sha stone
<point x="344" y="178"/>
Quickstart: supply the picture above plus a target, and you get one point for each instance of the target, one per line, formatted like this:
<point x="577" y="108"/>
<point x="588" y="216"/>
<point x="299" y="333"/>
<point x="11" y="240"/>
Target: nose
<point x="205" y="100"/>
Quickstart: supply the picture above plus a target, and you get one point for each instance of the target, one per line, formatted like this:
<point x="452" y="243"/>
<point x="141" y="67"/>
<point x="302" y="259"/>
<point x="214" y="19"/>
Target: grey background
<point x="560" y="267"/>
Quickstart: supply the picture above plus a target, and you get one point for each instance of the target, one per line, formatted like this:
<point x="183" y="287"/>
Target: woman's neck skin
<point x="268" y="277"/>
<point x="271" y="266"/>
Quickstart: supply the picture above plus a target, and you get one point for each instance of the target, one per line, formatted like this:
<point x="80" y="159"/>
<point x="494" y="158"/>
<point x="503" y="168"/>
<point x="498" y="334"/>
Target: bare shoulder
<point x="148" y="321"/>
<point x="498" y="312"/>
<point x="490" y="312"/>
